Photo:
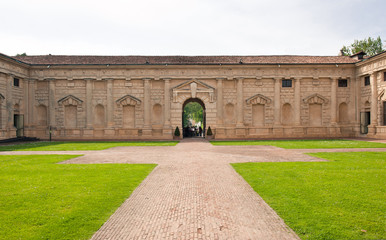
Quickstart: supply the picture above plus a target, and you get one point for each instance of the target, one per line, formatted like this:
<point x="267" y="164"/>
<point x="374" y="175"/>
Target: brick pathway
<point x="194" y="193"/>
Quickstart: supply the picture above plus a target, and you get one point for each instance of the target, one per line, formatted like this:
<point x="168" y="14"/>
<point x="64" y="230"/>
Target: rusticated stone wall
<point x="145" y="101"/>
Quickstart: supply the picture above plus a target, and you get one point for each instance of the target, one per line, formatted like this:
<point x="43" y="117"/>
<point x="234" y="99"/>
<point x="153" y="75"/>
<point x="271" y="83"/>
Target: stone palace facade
<point x="142" y="97"/>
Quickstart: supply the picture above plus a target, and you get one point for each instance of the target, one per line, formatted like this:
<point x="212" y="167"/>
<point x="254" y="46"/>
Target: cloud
<point x="196" y="27"/>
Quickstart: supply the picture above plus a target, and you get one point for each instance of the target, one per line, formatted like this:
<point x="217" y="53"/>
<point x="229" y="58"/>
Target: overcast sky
<point x="187" y="27"/>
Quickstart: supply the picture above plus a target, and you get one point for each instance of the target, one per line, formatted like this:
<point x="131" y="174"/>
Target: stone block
<point x="88" y="132"/>
<point x="109" y="132"/>
<point x="240" y="132"/>
<point x="147" y="132"/>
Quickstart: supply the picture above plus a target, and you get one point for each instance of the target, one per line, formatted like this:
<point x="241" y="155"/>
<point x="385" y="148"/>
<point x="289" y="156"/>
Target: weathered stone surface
<point x="144" y="98"/>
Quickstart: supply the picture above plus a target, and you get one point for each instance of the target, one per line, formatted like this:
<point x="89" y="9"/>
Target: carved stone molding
<point x="193" y="87"/>
<point x="258" y="99"/>
<point x="70" y="100"/>
<point x="39" y="102"/>
<point x="382" y="95"/>
<point x="344" y="100"/>
<point x="128" y="100"/>
<point x="1" y="98"/>
<point x="315" y="99"/>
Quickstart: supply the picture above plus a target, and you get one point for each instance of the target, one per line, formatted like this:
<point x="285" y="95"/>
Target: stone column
<point x="110" y="103"/>
<point x="240" y="105"/>
<point x="220" y="106"/>
<point x="297" y="108"/>
<point x="167" y="103"/>
<point x="277" y="102"/>
<point x="374" y="99"/>
<point x="333" y="100"/>
<point x="52" y="102"/>
<point x="89" y="110"/>
<point x="146" y="102"/>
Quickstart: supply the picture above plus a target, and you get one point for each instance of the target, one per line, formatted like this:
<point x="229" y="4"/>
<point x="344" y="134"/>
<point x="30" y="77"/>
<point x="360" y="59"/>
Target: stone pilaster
<point x="297" y="102"/>
<point x="26" y="110"/>
<point x="89" y="109"/>
<point x="352" y="105"/>
<point x="146" y="102"/>
<point x="240" y="103"/>
<point x="277" y="102"/>
<point x="110" y="103"/>
<point x="333" y="100"/>
<point x="358" y="99"/>
<point x="51" y="102"/>
<point x="220" y="106"/>
<point x="31" y="101"/>
<point x="374" y="99"/>
<point x="9" y="102"/>
<point x="167" y="103"/>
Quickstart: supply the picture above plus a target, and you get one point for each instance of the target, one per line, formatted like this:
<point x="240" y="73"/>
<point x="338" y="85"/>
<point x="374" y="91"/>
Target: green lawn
<point x="303" y="144"/>
<point x="43" y="200"/>
<point x="78" y="146"/>
<point x="341" y="199"/>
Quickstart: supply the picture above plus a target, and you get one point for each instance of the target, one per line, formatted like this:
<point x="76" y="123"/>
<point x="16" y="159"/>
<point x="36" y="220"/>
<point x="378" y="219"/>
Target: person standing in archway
<point x="200" y="131"/>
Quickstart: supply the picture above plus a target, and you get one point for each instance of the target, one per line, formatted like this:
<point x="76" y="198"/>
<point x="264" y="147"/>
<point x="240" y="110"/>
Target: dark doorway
<point x="18" y="122"/>
<point x="193" y="118"/>
<point x="365" y="122"/>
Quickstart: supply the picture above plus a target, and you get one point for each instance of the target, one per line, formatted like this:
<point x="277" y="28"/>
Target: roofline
<point x="13" y="59"/>
<point x="190" y="64"/>
<point x="182" y="64"/>
<point x="375" y="55"/>
<point x="364" y="61"/>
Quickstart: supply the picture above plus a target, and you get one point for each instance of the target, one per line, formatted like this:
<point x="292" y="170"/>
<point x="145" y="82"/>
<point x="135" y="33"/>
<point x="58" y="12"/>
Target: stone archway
<point x="199" y="101"/>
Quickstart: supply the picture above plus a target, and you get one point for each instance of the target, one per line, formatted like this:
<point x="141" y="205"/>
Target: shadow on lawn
<point x="29" y="146"/>
<point x="80" y="145"/>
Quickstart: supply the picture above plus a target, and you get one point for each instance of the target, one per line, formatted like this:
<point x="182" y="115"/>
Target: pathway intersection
<point x="194" y="193"/>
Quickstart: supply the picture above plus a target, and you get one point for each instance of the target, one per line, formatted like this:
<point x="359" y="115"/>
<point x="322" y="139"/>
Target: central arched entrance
<point x="193" y="118"/>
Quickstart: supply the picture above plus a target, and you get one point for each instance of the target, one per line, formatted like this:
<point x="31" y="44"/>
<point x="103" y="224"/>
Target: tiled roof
<point x="182" y="60"/>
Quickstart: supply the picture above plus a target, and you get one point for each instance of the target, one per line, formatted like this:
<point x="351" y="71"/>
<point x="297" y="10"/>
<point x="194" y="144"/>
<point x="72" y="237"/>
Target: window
<point x="367" y="80"/>
<point x="384" y="113"/>
<point x="286" y="83"/>
<point x="384" y="76"/>
<point x="16" y="82"/>
<point x="342" y="83"/>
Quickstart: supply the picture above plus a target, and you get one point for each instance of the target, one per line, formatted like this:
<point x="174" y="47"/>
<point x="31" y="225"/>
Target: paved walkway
<point x="194" y="193"/>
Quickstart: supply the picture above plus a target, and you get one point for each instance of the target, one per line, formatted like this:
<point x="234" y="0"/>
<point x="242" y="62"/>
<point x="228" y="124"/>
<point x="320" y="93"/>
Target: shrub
<point x="209" y="132"/>
<point x="177" y="132"/>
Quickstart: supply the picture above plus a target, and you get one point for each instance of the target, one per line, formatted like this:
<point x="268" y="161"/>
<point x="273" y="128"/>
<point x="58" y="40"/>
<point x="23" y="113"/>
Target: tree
<point x="177" y="132"/>
<point x="22" y="54"/>
<point x="370" y="46"/>
<point x="194" y="111"/>
<point x="209" y="132"/>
